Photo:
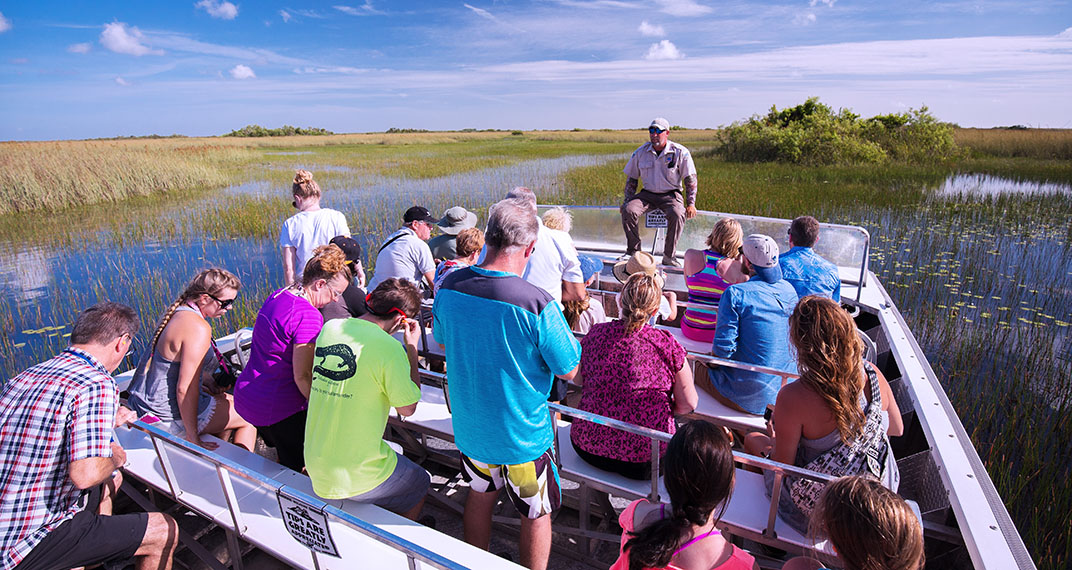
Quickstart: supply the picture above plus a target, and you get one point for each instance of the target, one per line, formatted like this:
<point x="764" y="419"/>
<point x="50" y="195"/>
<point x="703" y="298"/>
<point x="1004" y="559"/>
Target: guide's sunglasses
<point x="655" y="130"/>
<point x="224" y="303"/>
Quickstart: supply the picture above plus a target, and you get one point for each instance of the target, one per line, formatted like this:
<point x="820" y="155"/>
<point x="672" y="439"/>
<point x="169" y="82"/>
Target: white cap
<point x="761" y="250"/>
<point x="661" y="123"/>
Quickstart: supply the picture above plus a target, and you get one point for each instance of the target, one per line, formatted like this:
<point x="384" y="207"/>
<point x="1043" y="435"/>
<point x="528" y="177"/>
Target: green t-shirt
<point x="359" y="373"/>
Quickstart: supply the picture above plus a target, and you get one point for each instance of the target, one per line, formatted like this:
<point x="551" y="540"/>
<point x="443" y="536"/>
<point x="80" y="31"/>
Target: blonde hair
<point x="829" y="355"/>
<point x="870" y="526"/>
<point x="207" y="282"/>
<point x="328" y="261"/>
<point x="726" y="237"/>
<point x="304" y="185"/>
<point x="469" y="241"/>
<point x="573" y="309"/>
<point x="558" y="218"/>
<point x="640" y="298"/>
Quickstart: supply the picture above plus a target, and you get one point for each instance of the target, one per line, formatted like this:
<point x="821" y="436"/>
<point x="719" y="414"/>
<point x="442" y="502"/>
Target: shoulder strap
<point x="390" y="241"/>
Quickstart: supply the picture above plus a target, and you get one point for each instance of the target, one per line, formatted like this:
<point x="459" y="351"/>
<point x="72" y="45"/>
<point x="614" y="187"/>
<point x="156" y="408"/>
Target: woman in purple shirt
<point x="272" y="392"/>
<point x="632" y="372"/>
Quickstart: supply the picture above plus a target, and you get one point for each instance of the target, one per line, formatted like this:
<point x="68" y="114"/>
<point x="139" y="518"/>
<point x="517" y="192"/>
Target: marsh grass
<point x="1018" y="143"/>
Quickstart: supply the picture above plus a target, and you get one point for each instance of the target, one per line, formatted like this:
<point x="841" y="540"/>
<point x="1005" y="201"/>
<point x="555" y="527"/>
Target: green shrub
<point x="813" y="134"/>
<point x="284" y="131"/>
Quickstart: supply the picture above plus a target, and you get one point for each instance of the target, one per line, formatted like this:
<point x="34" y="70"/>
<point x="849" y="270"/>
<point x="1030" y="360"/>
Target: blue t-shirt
<point x="505" y="341"/>
<point x="753" y="327"/>
<point x="810" y="274"/>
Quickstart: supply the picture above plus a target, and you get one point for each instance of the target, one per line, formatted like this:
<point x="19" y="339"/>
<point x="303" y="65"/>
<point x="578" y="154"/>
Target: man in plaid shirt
<point x="59" y="465"/>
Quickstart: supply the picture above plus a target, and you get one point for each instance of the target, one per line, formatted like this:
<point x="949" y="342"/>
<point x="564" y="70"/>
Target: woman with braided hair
<point x="632" y="372"/>
<point x="173" y="380"/>
<point x="273" y="390"/>
<point x="310" y="228"/>
<point x="699" y="479"/>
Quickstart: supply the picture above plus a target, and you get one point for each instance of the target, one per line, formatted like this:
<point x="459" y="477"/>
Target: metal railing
<point x="226" y="468"/>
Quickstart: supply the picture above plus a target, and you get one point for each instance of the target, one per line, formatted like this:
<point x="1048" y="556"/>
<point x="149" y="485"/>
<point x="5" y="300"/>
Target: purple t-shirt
<point x="265" y="392"/>
<point x="629" y="378"/>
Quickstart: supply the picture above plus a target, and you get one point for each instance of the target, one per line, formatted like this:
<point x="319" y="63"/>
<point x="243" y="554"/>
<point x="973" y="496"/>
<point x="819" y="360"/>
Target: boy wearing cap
<point x="664" y="167"/>
<point x="405" y="254"/>
<point x="753" y="327"/>
<point x="456" y="219"/>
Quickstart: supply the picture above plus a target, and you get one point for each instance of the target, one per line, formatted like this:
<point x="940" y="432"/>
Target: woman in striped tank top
<point x="707" y="275"/>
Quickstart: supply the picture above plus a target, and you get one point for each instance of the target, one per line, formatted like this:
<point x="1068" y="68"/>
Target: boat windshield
<point x="598" y="228"/>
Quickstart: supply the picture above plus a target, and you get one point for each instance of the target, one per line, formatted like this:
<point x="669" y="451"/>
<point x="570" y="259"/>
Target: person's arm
<point x="787" y="423"/>
<point x="685" y="397"/>
<point x="690" y="195"/>
<point x="429" y="280"/>
<point x="194" y="345"/>
<point x="630" y="189"/>
<point x="92" y="471"/>
<point x="302" y="366"/>
<point x="290" y="259"/>
<point x="573" y="291"/>
<point x="725" y="343"/>
<point x="411" y="335"/>
<point x="889" y="404"/>
<point x="671" y="301"/>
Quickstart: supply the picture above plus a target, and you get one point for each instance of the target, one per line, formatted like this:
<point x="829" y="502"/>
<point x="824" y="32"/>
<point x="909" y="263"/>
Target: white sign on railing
<point x="307" y="525"/>
<point x="655" y="219"/>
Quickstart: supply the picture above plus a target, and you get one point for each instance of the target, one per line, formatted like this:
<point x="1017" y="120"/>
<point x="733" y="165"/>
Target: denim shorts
<point x="406" y="486"/>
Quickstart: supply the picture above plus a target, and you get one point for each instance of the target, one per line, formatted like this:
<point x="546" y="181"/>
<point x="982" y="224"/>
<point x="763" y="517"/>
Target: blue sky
<point x="75" y="69"/>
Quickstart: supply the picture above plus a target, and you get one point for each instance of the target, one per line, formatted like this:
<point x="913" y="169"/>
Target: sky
<point x="74" y="69"/>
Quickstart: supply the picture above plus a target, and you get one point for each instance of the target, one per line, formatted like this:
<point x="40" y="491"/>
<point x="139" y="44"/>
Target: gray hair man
<point x="489" y="318"/>
<point x="554" y="265"/>
<point x="664" y="167"/>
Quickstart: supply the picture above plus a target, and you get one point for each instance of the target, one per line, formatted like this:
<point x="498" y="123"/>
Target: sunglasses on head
<point x="389" y="311"/>
<point x="224" y="303"/>
<point x="655" y="130"/>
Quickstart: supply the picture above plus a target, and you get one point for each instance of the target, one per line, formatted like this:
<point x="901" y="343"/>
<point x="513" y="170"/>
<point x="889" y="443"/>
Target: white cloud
<point x="5" y="24"/>
<point x="651" y="31"/>
<point x="365" y="9"/>
<point x="805" y="19"/>
<point x="121" y="81"/>
<point x="663" y="50"/>
<point x="827" y="3"/>
<point x="285" y="15"/>
<point x="221" y="10"/>
<point x="489" y="16"/>
<point x="1065" y="34"/>
<point x="80" y="48"/>
<point x="119" y="39"/>
<point x="682" y="7"/>
<point x="242" y="72"/>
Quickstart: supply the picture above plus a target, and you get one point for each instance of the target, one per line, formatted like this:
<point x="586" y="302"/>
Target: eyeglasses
<point x="655" y="130"/>
<point x="224" y="303"/>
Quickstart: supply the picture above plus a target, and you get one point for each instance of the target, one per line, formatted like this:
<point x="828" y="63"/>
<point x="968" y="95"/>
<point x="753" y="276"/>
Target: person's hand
<point x="411" y="332"/>
<point x="119" y="455"/>
<point x="124" y="415"/>
<point x="359" y="270"/>
<point x="196" y="440"/>
<point x="690" y="212"/>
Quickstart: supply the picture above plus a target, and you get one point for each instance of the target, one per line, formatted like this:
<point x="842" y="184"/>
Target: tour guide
<point x="663" y="166"/>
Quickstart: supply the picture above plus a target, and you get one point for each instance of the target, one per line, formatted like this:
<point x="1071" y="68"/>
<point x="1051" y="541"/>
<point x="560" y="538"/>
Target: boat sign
<point x="307" y="524"/>
<point x="655" y="219"/>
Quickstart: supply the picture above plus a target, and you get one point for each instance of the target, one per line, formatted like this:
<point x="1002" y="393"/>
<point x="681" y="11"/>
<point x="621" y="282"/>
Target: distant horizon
<point x="205" y="67"/>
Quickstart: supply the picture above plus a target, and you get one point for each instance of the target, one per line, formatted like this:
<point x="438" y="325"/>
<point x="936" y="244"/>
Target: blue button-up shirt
<point x="753" y="327"/>
<point x="810" y="274"/>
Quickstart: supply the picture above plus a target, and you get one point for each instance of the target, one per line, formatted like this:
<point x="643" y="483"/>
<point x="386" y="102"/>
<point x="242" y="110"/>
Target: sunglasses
<point x="224" y="303"/>
<point x="655" y="130"/>
<point x="389" y="311"/>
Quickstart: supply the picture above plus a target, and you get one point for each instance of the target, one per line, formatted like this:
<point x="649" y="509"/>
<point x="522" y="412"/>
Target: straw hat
<point x="640" y="262"/>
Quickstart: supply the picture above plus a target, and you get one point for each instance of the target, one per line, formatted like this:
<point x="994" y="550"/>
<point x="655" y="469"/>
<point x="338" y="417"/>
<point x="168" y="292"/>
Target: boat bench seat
<point x="431" y="418"/>
<point x="745" y="515"/>
<point x="259" y="515"/>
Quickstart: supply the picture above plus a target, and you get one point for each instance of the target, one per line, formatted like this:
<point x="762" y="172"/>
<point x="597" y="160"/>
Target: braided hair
<point x="208" y="282"/>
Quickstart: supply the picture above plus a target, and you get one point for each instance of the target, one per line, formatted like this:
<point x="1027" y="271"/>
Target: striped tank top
<point x="705" y="290"/>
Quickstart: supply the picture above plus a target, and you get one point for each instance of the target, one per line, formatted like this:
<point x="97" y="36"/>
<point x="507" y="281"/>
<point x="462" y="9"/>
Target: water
<point x="966" y="186"/>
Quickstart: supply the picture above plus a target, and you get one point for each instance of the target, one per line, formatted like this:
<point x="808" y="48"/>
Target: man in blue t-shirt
<point x="506" y="340"/>
<point x="806" y="270"/>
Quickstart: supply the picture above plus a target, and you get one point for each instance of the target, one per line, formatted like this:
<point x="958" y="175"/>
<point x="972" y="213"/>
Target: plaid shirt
<point x="54" y="413"/>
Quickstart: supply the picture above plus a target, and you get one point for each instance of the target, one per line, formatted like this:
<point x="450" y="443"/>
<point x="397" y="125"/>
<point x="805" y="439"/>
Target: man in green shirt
<point x="359" y="373"/>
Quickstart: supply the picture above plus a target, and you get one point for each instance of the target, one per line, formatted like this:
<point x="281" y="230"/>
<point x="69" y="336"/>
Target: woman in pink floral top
<point x="632" y="372"/>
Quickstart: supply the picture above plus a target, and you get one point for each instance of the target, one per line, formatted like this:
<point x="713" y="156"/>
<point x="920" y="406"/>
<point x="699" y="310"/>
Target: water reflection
<point x="25" y="271"/>
<point x="985" y="186"/>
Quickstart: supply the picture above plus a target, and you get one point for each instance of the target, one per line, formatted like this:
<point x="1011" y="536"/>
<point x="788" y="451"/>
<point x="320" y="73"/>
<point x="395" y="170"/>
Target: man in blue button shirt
<point x="806" y="270"/>
<point x="753" y="328"/>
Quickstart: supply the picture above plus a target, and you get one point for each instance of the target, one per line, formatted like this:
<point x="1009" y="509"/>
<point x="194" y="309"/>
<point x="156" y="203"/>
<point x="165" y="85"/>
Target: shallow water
<point x="985" y="186"/>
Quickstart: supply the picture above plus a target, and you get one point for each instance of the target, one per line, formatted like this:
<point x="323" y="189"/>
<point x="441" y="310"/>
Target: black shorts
<point x="89" y="538"/>
<point x="287" y="436"/>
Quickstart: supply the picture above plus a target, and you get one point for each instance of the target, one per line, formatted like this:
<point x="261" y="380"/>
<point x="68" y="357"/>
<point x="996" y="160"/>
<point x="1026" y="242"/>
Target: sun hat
<point x="457" y="219"/>
<point x="419" y="213"/>
<point x="349" y="246"/>
<point x="640" y="262"/>
<point x="590" y="266"/>
<point x="761" y="250"/>
<point x="661" y="123"/>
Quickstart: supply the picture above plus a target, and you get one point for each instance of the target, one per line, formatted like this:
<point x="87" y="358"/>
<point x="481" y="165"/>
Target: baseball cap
<point x="661" y="123"/>
<point x="419" y="213"/>
<point x="590" y="266"/>
<point x="349" y="246"/>
<point x="761" y="250"/>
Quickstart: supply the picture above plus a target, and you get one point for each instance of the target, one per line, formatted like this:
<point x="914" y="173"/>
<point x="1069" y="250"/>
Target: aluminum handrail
<point x="780" y="470"/>
<point x="414" y="552"/>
